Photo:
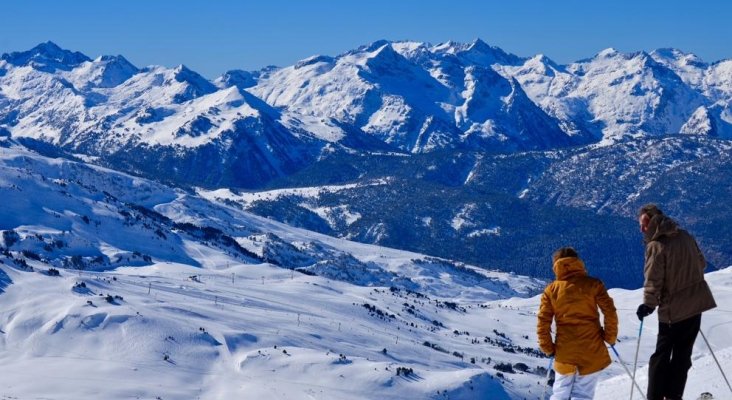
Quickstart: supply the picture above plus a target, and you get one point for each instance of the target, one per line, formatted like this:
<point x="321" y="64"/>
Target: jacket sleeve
<point x="610" y="315"/>
<point x="654" y="272"/>
<point x="544" y="325"/>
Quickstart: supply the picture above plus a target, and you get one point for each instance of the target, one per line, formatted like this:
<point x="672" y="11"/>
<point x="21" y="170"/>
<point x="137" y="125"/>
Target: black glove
<point x="644" y="311"/>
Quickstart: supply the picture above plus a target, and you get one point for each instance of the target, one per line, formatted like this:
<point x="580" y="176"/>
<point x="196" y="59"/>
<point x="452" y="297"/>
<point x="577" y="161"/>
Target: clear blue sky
<point x="215" y="36"/>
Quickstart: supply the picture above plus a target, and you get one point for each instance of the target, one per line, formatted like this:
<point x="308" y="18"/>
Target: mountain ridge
<point x="568" y="106"/>
<point x="469" y="122"/>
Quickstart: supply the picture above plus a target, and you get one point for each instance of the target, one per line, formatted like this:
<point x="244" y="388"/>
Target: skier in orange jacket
<point x="579" y="349"/>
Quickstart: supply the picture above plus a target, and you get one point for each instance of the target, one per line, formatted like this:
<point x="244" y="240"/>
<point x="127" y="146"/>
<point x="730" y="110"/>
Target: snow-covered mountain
<point x="116" y="287"/>
<point x="606" y="98"/>
<point x="613" y="95"/>
<point x="172" y="121"/>
<point x="387" y="96"/>
<point x="417" y="98"/>
<point x="474" y="149"/>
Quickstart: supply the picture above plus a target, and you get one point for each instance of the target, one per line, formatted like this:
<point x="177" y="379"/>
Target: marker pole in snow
<point x="715" y="359"/>
<point x="548" y="373"/>
<point x="620" y="360"/>
<point x="635" y="362"/>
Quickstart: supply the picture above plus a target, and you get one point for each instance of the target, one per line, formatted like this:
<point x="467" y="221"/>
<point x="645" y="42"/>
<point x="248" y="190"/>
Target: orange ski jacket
<point x="572" y="301"/>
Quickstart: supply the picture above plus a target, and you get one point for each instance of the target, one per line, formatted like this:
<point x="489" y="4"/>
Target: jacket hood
<point x="569" y="266"/>
<point x="660" y="225"/>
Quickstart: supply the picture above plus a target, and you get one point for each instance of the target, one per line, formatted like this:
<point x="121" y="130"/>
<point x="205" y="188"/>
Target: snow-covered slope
<point x="183" y="293"/>
<point x="74" y="215"/>
<point x="117" y="287"/>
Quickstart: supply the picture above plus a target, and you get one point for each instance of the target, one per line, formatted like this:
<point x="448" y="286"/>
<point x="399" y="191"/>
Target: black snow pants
<point x="669" y="365"/>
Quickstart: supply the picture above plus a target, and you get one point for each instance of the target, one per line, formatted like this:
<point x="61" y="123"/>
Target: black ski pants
<point x="669" y="365"/>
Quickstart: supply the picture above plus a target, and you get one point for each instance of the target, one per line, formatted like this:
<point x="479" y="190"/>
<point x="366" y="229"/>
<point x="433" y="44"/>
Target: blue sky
<point x="214" y="36"/>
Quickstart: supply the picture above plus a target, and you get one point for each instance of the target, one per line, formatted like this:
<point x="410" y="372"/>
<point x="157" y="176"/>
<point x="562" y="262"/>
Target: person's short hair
<point x="651" y="210"/>
<point x="564" y="252"/>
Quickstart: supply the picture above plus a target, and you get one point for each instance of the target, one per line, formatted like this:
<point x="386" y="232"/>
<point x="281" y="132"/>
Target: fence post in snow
<point x="149" y="287"/>
<point x="232" y="278"/>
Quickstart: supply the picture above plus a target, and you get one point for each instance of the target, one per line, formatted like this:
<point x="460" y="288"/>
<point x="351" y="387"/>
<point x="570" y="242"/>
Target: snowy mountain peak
<point x="197" y="84"/>
<point x="675" y="56"/>
<point x="239" y="78"/>
<point x="478" y="52"/>
<point x="607" y="53"/>
<point x="49" y="49"/>
<point x="314" y="60"/>
<point x="47" y="57"/>
<point x="383" y="55"/>
<point x="449" y="47"/>
<point x="542" y="64"/>
<point x="183" y="73"/>
<point x="688" y="66"/>
<point x="479" y="46"/>
<point x="373" y="46"/>
<point x="104" y="72"/>
<point x="478" y="43"/>
<point x="699" y="123"/>
<point x="115" y="60"/>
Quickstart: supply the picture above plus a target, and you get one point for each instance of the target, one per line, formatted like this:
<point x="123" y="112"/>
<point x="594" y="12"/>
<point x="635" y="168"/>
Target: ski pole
<point x="620" y="360"/>
<point x="715" y="359"/>
<point x="635" y="362"/>
<point x="548" y="373"/>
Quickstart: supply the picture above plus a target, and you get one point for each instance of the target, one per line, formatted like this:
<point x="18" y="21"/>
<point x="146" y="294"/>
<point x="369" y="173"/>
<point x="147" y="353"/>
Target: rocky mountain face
<point x="458" y="150"/>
